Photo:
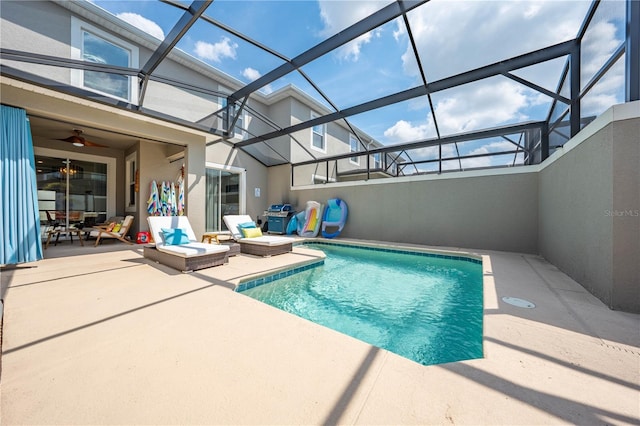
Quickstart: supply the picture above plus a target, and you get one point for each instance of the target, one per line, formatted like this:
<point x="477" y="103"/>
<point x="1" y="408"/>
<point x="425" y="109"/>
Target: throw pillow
<point x="175" y="236"/>
<point x="246" y="225"/>
<point x="251" y="232"/>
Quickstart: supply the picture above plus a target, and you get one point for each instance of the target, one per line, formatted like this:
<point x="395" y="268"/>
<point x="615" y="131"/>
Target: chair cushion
<point x="157" y="223"/>
<point x="192" y="249"/>
<point x="251" y="232"/>
<point x="232" y="222"/>
<point x="175" y="236"/>
<point x="268" y="240"/>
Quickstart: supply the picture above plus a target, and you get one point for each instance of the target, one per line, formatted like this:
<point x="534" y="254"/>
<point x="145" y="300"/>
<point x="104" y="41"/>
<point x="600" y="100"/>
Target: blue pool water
<point x="427" y="309"/>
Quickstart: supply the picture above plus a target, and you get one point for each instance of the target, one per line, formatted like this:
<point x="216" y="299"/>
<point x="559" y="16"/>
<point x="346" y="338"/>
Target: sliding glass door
<point x="71" y="192"/>
<point x="225" y="195"/>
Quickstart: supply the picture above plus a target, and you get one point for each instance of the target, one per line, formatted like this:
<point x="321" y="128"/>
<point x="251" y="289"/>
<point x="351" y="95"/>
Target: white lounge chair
<point x="266" y="245"/>
<point x="176" y="245"/>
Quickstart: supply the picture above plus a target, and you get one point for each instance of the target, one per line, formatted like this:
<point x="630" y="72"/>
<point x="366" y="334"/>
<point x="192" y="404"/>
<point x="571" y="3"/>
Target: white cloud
<point x="481" y="105"/>
<point x="338" y="15"/>
<point x="472" y="107"/>
<point x="253" y="74"/>
<point x="597" y="47"/>
<point x="608" y="91"/>
<point x="500" y="146"/>
<point x="455" y="36"/>
<point x="142" y="23"/>
<point x="403" y="131"/>
<point x="478" y="106"/>
<point x="225" y="48"/>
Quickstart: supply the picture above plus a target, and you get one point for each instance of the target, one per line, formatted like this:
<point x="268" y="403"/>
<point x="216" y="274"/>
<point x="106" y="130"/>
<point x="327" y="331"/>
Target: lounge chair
<point x="335" y="216"/>
<point x="308" y="221"/>
<point x="262" y="245"/>
<point x="118" y="231"/>
<point x="176" y="245"/>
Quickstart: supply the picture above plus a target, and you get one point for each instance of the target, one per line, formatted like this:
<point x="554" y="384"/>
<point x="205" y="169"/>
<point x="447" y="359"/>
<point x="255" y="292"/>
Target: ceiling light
<point x="78" y="143"/>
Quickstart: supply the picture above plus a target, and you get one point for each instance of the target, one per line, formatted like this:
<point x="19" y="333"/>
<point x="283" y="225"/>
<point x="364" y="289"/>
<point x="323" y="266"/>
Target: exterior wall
<point x="279" y="183"/>
<point x="590" y="209"/>
<point x="625" y="215"/>
<point x="22" y="29"/>
<point x="336" y="139"/>
<point x="185" y="105"/>
<point x="495" y="210"/>
<point x="153" y="165"/>
<point x="256" y="176"/>
<point x="280" y="113"/>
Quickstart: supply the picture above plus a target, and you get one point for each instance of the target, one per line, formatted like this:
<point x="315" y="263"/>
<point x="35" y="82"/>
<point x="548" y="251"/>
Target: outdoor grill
<point x="278" y="216"/>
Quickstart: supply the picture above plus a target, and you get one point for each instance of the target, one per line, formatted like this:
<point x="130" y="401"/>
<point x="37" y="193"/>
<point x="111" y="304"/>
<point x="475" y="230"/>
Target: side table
<point x="216" y="236"/>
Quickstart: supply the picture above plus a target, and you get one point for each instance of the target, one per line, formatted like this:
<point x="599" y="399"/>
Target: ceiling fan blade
<point x="89" y="143"/>
<point x="73" y="139"/>
<point x="80" y="141"/>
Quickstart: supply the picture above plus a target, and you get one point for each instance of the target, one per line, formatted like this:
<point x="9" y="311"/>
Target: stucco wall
<point x="589" y="210"/>
<point x="256" y="175"/>
<point x="575" y="234"/>
<point x="22" y="30"/>
<point x="496" y="210"/>
<point x="625" y="215"/>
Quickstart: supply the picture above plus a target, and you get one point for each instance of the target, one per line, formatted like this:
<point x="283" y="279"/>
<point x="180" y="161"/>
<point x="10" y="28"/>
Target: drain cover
<point x="520" y="303"/>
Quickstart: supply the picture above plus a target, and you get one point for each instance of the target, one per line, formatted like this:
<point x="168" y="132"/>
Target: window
<point x="377" y="161"/>
<point x="354" y="146"/>
<point x="226" y="194"/>
<point x="317" y="135"/>
<point x="132" y="184"/>
<point x="91" y="44"/>
<point x="75" y="188"/>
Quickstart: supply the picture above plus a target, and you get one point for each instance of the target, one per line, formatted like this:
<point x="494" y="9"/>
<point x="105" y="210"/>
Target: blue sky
<point x="451" y="36"/>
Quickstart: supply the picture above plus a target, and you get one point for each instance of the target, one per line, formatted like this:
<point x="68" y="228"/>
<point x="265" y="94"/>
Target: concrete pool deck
<point x="104" y="336"/>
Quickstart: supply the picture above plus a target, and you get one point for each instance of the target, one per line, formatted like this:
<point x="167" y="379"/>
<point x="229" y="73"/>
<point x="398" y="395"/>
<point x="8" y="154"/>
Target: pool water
<point x="427" y="309"/>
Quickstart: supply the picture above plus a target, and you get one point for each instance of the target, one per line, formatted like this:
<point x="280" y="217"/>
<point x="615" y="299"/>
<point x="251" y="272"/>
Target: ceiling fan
<point x="78" y="140"/>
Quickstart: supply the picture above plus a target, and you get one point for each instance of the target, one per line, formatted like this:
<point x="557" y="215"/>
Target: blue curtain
<point x="19" y="217"/>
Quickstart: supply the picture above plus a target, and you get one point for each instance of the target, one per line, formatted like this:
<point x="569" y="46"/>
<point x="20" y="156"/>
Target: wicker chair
<point x="176" y="245"/>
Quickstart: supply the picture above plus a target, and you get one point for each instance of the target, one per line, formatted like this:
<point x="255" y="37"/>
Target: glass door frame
<point x="70" y="155"/>
<point x="242" y="190"/>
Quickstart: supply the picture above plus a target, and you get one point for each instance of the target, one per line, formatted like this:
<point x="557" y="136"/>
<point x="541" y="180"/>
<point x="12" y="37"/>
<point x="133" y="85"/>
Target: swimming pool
<point x="423" y="306"/>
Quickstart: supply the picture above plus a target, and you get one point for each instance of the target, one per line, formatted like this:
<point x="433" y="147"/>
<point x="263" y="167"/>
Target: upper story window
<point x="354" y="146"/>
<point x="318" y="135"/>
<point x="377" y="160"/>
<point x="91" y="44"/>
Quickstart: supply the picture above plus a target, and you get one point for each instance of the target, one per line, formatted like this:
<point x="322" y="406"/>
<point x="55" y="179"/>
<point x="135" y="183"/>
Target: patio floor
<point x="103" y="336"/>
